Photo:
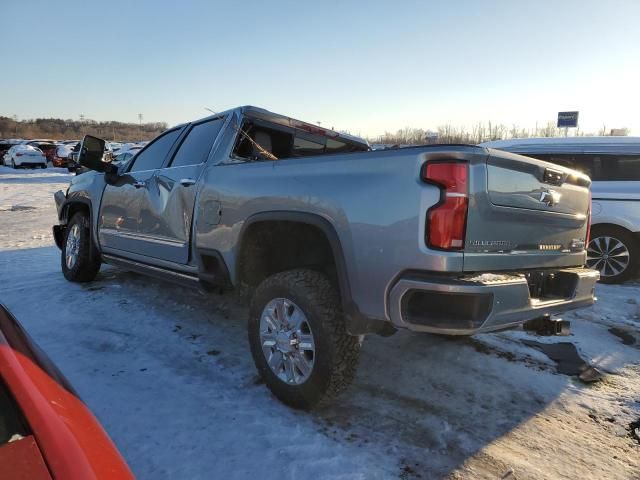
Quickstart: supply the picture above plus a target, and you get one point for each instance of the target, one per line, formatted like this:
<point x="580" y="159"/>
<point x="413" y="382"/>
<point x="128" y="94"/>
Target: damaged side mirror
<point x="92" y="155"/>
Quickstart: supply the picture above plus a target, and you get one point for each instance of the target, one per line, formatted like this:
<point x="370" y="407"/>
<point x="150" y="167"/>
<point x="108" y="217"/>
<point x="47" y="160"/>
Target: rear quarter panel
<point x="374" y="200"/>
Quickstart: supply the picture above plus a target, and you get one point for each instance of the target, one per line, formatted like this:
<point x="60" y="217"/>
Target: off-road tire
<point x="630" y="242"/>
<point x="337" y="352"/>
<point x="88" y="262"/>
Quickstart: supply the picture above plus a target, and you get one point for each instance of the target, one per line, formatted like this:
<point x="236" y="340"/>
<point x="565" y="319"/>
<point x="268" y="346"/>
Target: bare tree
<point x="57" y="128"/>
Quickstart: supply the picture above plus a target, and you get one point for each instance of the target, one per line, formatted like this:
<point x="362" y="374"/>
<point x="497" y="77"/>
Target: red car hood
<point x="72" y="442"/>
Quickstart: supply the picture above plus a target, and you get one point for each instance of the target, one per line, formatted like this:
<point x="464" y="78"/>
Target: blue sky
<point x="365" y="67"/>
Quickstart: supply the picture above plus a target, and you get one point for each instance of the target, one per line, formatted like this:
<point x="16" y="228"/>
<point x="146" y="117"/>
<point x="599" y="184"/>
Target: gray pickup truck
<point x="333" y="240"/>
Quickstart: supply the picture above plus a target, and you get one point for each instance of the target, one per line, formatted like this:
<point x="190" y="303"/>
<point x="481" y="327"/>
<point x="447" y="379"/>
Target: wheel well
<point x="274" y="246"/>
<point x="610" y="226"/>
<point x="77" y="207"/>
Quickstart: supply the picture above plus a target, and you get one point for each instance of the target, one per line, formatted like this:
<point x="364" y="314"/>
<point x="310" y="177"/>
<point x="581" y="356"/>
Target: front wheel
<point x="79" y="263"/>
<point x="614" y="252"/>
<point x="298" y="338"/>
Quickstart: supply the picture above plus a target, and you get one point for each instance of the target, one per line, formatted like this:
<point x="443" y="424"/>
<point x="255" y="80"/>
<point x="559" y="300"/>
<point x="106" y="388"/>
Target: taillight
<point x="447" y="220"/>
<point x="19" y="154"/>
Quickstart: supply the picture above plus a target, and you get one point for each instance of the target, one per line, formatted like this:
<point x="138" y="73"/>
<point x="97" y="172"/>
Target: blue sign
<point x="567" y="119"/>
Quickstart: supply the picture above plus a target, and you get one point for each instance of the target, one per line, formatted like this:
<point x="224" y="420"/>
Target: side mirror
<point x="91" y="155"/>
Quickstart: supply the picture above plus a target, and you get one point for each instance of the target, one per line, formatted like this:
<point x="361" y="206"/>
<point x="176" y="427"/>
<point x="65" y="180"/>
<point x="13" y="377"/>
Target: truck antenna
<point x="260" y="148"/>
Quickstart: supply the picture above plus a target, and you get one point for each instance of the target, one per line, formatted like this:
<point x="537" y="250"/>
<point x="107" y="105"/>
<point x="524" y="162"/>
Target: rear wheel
<point x="13" y="163"/>
<point x="79" y="262"/>
<point x="613" y="251"/>
<point x="298" y="338"/>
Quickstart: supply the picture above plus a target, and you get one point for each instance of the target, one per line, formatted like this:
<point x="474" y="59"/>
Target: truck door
<point x="167" y="205"/>
<point x="120" y="209"/>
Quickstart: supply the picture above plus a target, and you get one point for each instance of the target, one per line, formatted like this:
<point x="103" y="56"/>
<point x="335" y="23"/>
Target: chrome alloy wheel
<point x="72" y="249"/>
<point x="608" y="255"/>
<point x="287" y="341"/>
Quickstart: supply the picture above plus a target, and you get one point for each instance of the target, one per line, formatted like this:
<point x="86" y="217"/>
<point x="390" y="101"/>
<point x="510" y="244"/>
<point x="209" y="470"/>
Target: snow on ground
<point x="26" y="205"/>
<point x="168" y="372"/>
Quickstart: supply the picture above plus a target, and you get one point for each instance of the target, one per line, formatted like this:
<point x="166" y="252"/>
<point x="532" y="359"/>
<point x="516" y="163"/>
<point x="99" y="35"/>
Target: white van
<point x="613" y="163"/>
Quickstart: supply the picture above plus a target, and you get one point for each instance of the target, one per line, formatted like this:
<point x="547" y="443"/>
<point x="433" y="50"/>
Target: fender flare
<point x="63" y="217"/>
<point x="64" y="209"/>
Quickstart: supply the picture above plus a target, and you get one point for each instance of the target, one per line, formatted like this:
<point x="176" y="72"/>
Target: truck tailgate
<point x="525" y="213"/>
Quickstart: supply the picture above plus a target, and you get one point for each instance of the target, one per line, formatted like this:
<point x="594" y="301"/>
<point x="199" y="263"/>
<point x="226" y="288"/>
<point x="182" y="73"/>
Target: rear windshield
<point x="598" y="167"/>
<point x="28" y="148"/>
<point x="288" y="142"/>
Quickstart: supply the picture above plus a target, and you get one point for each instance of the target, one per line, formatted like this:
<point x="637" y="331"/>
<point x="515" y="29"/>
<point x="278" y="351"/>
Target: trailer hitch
<point x="547" y="326"/>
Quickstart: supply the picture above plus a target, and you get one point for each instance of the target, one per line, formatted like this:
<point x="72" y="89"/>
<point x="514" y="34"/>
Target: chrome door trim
<point x="146" y="238"/>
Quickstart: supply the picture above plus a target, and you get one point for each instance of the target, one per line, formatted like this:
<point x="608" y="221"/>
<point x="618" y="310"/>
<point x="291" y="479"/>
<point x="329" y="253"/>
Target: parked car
<point x="61" y="158"/>
<point x="115" y="147"/>
<point x="37" y="140"/>
<point x="48" y="148"/>
<point x="613" y="163"/>
<point x="125" y="147"/>
<point x="20" y="156"/>
<point x="4" y="148"/>
<point x="5" y="145"/>
<point x="333" y="240"/>
<point x="124" y="157"/>
<point x="46" y="431"/>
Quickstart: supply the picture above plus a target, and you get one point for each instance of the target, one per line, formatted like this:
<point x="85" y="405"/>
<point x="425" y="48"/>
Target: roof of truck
<point x="288" y="121"/>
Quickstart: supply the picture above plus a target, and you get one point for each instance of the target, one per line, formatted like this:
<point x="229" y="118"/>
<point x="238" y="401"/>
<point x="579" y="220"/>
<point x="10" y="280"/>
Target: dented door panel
<point x="166" y="213"/>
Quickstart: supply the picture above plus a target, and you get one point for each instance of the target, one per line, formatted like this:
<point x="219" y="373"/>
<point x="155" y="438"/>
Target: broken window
<point x="286" y="142"/>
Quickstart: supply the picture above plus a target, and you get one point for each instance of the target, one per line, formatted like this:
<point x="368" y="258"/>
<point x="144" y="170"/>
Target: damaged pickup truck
<point x="334" y="241"/>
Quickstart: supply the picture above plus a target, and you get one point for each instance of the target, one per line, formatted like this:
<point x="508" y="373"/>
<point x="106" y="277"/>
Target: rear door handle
<point x="140" y="184"/>
<point x="187" y="182"/>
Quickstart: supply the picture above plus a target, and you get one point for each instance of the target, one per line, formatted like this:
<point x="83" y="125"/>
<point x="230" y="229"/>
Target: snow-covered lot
<point x="168" y="373"/>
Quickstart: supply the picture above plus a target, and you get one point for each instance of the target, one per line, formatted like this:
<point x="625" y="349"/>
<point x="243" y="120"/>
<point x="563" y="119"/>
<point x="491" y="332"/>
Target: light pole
<point x="140" y="121"/>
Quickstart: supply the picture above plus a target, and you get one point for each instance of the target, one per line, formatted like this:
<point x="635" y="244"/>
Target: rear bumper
<point x="30" y="163"/>
<point x="484" y="303"/>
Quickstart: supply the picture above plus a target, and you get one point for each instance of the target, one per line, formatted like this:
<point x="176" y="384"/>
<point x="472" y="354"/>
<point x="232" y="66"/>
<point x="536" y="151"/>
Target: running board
<point x="183" y="279"/>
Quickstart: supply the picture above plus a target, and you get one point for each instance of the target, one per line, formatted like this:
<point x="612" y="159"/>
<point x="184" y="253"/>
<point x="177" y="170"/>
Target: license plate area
<point x="545" y="285"/>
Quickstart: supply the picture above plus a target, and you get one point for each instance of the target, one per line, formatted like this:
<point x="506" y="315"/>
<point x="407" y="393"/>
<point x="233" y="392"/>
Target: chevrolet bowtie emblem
<point x="549" y="197"/>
